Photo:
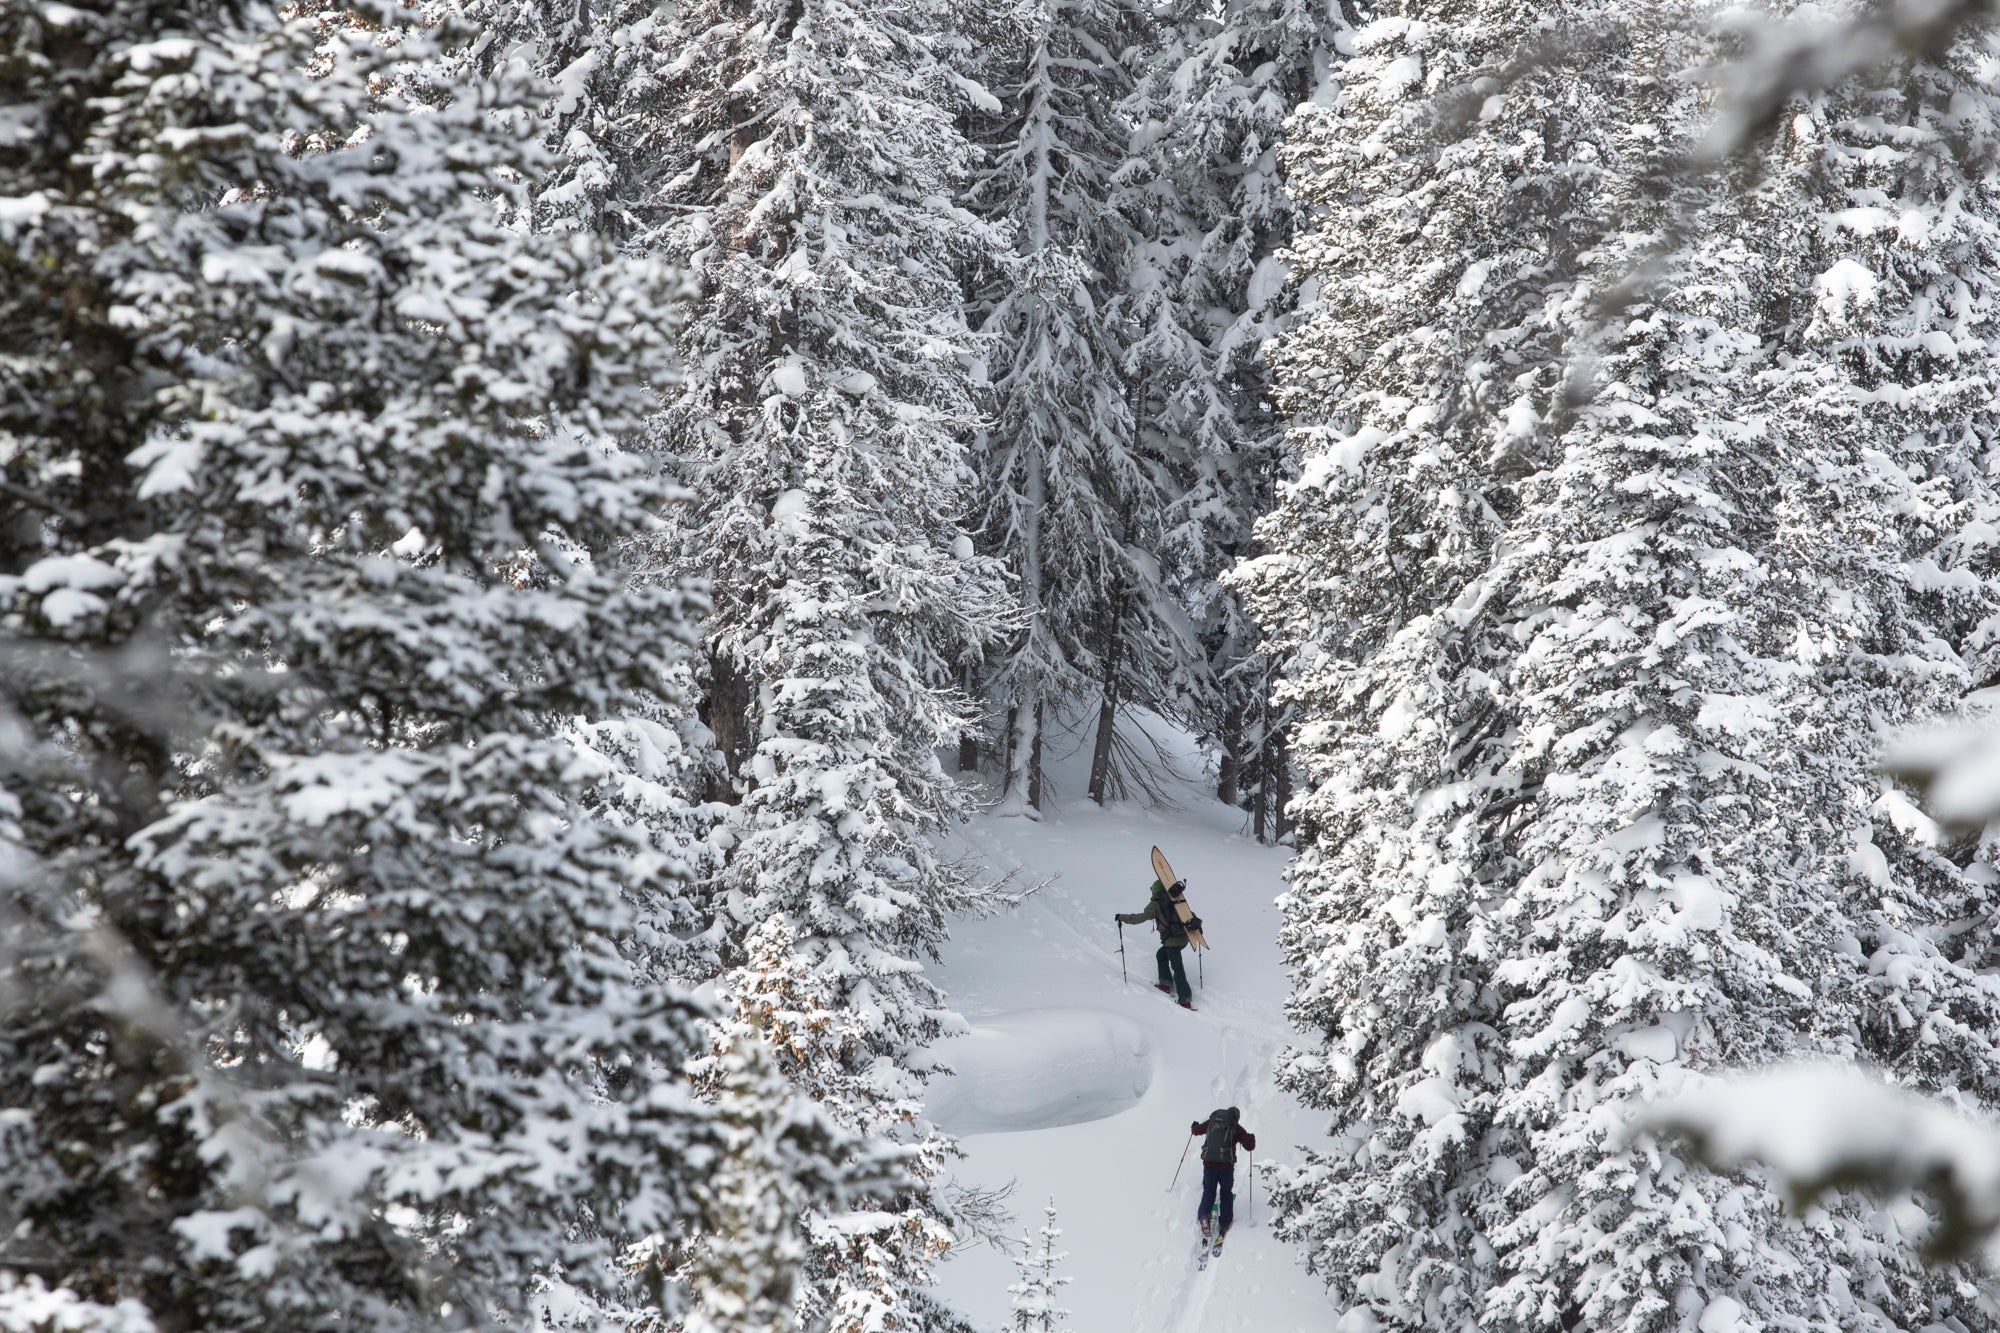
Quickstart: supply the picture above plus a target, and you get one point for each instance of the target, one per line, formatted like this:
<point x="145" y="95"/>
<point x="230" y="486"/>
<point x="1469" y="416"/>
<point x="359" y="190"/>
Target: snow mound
<point x="1041" y="1068"/>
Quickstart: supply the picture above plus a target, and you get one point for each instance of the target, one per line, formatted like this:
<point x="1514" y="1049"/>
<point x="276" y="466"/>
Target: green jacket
<point x="1161" y="913"/>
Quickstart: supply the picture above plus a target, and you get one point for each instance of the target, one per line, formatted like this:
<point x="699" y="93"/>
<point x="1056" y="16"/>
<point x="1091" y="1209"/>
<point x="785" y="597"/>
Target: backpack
<point x="1218" y="1148"/>
<point x="1169" y="921"/>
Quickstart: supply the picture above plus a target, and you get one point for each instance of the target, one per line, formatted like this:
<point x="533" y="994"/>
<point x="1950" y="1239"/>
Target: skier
<point x="1224" y="1134"/>
<point x="1173" y="939"/>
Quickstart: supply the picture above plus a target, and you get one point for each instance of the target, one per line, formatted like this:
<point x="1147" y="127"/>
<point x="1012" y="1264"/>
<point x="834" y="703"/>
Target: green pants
<point x="1173" y="971"/>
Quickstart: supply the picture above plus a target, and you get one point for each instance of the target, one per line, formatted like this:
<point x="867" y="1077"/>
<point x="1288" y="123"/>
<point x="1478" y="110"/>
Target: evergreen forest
<point x="570" y="568"/>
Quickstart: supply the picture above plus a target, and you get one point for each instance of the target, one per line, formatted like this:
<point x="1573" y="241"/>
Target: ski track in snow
<point x="1077" y="1087"/>
<point x="1193" y="1304"/>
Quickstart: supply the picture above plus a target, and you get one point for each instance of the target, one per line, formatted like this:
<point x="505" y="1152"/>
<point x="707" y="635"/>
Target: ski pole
<point x="1177" y="1170"/>
<point x="1250" y="1207"/>
<point x="1126" y="980"/>
<point x="1200" y="972"/>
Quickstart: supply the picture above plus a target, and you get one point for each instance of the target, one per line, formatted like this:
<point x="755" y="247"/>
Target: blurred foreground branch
<point x="1955" y="769"/>
<point x="1821" y="1129"/>
<point x="1788" y="59"/>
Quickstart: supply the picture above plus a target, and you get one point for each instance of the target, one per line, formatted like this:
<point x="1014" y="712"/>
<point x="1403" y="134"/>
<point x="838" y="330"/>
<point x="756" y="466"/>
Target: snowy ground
<point x="1081" y="1088"/>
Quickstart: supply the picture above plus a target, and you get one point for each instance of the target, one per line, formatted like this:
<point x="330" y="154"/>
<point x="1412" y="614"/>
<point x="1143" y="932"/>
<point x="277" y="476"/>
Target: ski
<point x="1202" y="1250"/>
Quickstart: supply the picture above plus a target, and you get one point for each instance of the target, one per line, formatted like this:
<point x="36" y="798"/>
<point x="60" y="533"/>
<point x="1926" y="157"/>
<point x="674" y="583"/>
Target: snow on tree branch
<point x="1820" y="1129"/>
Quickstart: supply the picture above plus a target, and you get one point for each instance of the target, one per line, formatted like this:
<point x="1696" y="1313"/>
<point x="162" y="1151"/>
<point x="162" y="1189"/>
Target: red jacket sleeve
<point x="1200" y="1127"/>
<point x="1246" y="1139"/>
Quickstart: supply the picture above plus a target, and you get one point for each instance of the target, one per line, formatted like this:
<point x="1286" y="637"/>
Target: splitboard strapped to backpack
<point x="1177" y="894"/>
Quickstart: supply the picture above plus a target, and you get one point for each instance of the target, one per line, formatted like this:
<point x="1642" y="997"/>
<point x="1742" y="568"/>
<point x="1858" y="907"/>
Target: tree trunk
<point x="1107" y="711"/>
<point x="1227" y="782"/>
<point x="1007" y="749"/>
<point x="968" y="740"/>
<point x="1281" y="777"/>
<point x="1035" y="762"/>
<point x="1260" y="777"/>
<point x="729" y="721"/>
<point x="1022" y="787"/>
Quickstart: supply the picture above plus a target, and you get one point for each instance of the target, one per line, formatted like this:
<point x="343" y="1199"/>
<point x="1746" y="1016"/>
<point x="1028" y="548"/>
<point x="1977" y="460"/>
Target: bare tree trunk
<point x="742" y="116"/>
<point x="729" y="721"/>
<point x="729" y="690"/>
<point x="1281" y="763"/>
<point x="968" y="740"/>
<point x="1035" y="761"/>
<point x="1107" y="711"/>
<point x="1007" y="749"/>
<point x="1260" y="776"/>
<point x="1023" y="782"/>
<point x="1227" y="782"/>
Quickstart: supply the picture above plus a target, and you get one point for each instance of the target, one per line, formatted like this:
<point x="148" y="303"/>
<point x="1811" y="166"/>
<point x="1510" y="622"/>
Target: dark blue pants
<point x="1170" y="957"/>
<point x="1216" y="1179"/>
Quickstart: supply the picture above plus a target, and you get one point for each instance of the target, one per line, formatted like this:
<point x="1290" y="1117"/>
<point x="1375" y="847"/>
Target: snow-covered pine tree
<point x="1890" y="230"/>
<point x="605" y="110"/>
<point x="1208" y="291"/>
<point x="1372" y="589"/>
<point x="648" y="764"/>
<point x="863" y="1271"/>
<point x="1035" y="1308"/>
<point x="565" y="44"/>
<point x="1585" y="703"/>
<point x="316" y="1011"/>
<point x="601" y="119"/>
<point x="744" y="1274"/>
<point x="1825" y="591"/>
<point x="808" y="185"/>
<point x="1662" y="908"/>
<point x="835" y="405"/>
<point x="1070" y="500"/>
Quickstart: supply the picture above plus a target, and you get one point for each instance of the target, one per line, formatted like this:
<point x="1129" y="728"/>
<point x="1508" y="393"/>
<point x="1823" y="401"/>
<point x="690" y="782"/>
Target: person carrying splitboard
<point x="1222" y="1134"/>
<point x="1177" y="892"/>
<point x="1173" y="939"/>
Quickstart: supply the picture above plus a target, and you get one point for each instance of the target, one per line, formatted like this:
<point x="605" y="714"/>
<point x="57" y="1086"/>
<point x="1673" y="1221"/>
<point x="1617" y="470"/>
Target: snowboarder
<point x="1173" y="939"/>
<point x="1224" y="1133"/>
